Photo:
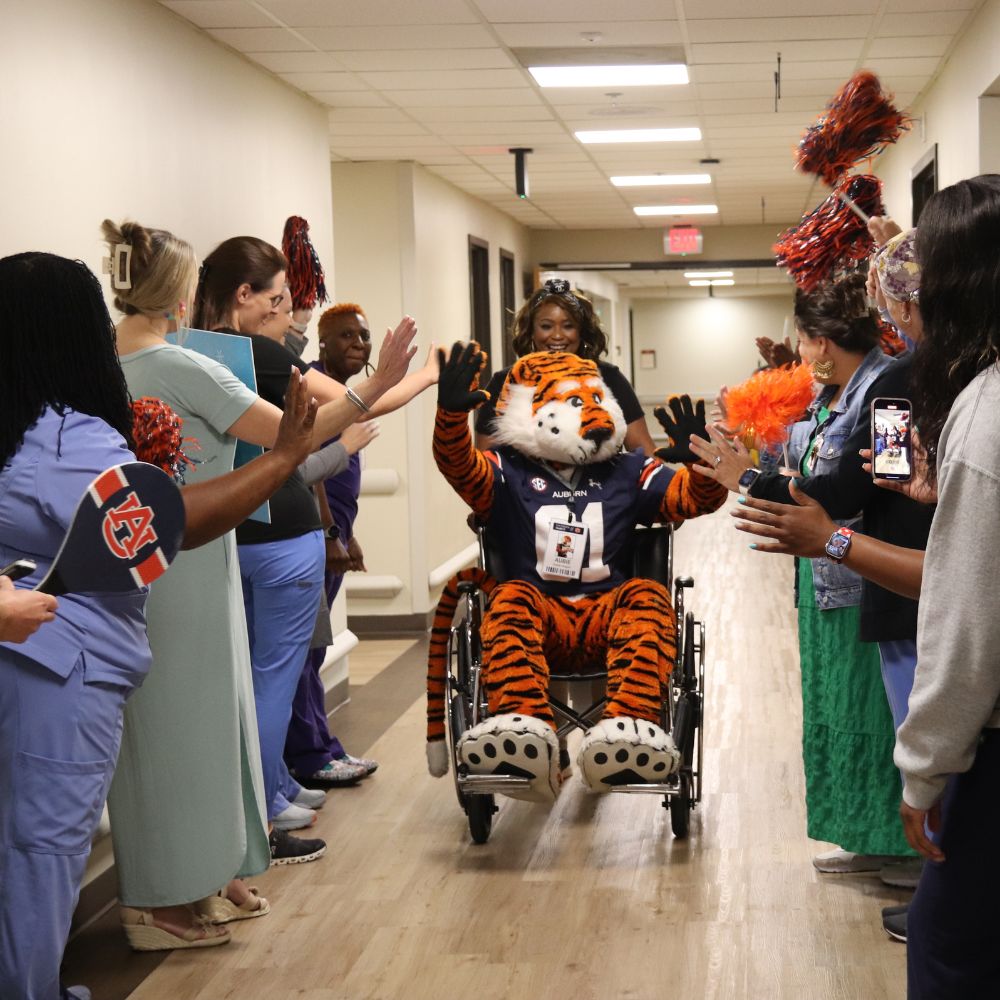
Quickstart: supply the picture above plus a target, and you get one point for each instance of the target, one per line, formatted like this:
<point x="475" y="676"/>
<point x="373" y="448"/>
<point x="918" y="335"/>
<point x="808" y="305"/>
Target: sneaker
<point x="289" y="850"/>
<point x="904" y="874"/>
<point x="338" y="772"/>
<point x="370" y="766"/>
<point x="294" y="817"/>
<point x="310" y="798"/>
<point x="894" y="921"/>
<point x="838" y="862"/>
<point x="74" y="993"/>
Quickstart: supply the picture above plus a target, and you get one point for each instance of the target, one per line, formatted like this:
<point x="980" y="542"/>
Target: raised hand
<point x="458" y="378"/>
<point x="687" y="419"/>
<point x="358" y="435"/>
<point x="395" y="353"/>
<point x="295" y="432"/>
<point x="776" y="353"/>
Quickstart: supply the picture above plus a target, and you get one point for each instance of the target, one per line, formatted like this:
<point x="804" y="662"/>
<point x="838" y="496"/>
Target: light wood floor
<point x="592" y="899"/>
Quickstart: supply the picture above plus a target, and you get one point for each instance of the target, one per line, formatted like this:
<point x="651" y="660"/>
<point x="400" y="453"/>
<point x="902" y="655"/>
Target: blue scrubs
<point x="62" y="693"/>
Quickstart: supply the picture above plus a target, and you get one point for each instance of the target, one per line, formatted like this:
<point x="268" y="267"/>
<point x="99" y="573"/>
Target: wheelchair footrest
<point x="661" y="789"/>
<point x="489" y="784"/>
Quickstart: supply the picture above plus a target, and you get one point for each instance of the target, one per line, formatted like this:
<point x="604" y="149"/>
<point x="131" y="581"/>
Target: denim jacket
<point x="836" y="586"/>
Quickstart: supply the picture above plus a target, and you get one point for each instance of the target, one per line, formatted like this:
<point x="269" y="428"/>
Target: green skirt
<point x="852" y="786"/>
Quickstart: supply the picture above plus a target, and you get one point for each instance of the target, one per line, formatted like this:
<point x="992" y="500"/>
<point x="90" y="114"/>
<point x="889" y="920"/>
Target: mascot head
<point x="556" y="407"/>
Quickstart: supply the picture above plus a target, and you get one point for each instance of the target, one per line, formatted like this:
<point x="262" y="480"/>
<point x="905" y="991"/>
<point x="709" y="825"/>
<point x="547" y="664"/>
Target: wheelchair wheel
<point x="680" y="807"/>
<point x="688" y="663"/>
<point x="480" y="810"/>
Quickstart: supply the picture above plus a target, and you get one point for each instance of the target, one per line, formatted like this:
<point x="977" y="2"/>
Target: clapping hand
<point x="458" y="378"/>
<point x="799" y="529"/>
<point x="777" y="353"/>
<point x="687" y="419"/>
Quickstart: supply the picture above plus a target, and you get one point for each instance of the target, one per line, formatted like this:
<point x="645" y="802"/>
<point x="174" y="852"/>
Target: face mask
<point x="295" y="342"/>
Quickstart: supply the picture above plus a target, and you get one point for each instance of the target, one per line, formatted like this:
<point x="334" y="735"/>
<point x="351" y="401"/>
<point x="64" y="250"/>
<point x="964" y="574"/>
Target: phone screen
<point x="892" y="455"/>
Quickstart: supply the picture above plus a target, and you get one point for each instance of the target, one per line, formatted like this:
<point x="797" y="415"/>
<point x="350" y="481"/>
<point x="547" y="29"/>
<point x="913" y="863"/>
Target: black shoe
<point x="289" y="850"/>
<point x="894" y="921"/>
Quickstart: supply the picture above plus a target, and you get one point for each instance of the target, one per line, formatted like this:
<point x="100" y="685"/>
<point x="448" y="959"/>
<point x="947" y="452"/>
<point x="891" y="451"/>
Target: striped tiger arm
<point x="689" y="495"/>
<point x="468" y="471"/>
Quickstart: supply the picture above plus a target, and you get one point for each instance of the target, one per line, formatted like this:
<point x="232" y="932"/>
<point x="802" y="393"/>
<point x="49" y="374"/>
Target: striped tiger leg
<point x="639" y="624"/>
<point x="515" y="670"/>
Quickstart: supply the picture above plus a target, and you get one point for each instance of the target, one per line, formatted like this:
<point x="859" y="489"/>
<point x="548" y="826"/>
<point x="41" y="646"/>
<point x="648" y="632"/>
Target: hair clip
<point x="119" y="266"/>
<point x="555" y="286"/>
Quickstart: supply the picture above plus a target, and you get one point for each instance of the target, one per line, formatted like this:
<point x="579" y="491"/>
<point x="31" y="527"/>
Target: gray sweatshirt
<point x="957" y="686"/>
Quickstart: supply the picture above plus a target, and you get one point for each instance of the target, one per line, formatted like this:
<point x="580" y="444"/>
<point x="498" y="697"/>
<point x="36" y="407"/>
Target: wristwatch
<point x="747" y="479"/>
<point x="839" y="544"/>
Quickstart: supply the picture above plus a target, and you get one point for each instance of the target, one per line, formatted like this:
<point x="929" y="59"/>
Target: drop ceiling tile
<point x="930" y="22"/>
<point x="766" y="52"/>
<point x="775" y="29"/>
<point x="220" y="13"/>
<point x="350" y="98"/>
<point x="567" y="34"/>
<point x="323" y="13"/>
<point x="482" y="115"/>
<point x="347" y="142"/>
<point x="259" y="39"/>
<point x="890" y="69"/>
<point x="458" y="79"/>
<point x="712" y="9"/>
<point x="459" y="98"/>
<point x="339" y="130"/>
<point x="310" y="82"/>
<point x="297" y="62"/>
<point x="424" y="59"/>
<point x="413" y="36"/>
<point x="503" y="11"/>
<point x="366" y="115"/>
<point x="921" y="45"/>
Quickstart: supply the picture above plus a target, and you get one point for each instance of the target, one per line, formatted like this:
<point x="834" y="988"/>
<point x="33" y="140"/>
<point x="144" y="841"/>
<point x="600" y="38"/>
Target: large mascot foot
<point x="625" y="751"/>
<point x="516" y="745"/>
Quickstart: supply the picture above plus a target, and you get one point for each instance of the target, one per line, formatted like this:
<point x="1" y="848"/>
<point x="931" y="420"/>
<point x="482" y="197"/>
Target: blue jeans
<point x="899" y="662"/>
<point x="282" y="582"/>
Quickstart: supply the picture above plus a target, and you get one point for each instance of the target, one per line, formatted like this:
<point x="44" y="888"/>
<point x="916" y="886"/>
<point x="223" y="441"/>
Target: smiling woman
<point x="556" y="318"/>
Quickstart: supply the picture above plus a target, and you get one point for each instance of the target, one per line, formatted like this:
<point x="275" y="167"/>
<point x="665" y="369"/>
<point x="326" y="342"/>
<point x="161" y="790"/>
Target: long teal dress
<point x="187" y="798"/>
<point x="852" y="786"/>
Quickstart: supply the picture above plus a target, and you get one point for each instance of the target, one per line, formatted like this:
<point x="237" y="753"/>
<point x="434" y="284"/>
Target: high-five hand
<point x="458" y="380"/>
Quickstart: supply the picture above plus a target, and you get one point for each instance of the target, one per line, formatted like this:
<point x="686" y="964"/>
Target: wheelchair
<point x="681" y="714"/>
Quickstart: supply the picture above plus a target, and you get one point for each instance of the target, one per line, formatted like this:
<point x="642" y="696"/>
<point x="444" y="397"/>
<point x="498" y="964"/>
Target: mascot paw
<point x="516" y="745"/>
<point x="623" y="751"/>
<point x="437" y="758"/>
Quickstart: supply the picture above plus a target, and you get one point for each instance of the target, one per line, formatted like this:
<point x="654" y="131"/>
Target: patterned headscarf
<point x="898" y="269"/>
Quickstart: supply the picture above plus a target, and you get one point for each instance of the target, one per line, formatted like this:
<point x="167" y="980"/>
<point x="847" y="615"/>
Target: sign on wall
<point x="682" y="240"/>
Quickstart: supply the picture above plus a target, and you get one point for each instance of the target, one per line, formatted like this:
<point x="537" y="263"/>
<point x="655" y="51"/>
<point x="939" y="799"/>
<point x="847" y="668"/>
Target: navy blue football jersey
<point x="610" y="498"/>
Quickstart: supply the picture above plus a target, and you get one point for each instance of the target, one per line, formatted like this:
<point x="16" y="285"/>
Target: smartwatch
<point x="747" y="479"/>
<point x="839" y="544"/>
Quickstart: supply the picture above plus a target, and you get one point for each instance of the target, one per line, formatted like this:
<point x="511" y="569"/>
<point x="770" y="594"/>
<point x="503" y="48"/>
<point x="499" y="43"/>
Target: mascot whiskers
<point x="562" y="499"/>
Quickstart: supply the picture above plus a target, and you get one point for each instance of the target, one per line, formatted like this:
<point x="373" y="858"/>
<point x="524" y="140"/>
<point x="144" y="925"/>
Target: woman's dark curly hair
<point x="57" y="348"/>
<point x="958" y="246"/>
<point x="839" y="311"/>
<point x="593" y="342"/>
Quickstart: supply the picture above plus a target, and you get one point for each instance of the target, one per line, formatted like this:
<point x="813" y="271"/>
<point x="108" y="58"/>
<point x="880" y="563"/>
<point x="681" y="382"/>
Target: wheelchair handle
<point x="684" y="581"/>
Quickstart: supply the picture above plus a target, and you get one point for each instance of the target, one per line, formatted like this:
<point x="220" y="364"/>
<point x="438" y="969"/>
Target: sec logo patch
<point x="539" y="485"/>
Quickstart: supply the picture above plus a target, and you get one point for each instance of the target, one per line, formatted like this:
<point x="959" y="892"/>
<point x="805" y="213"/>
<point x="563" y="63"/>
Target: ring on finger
<point x="718" y="459"/>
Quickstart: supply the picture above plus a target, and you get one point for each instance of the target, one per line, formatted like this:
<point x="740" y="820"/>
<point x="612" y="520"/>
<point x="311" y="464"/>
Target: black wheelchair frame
<point x="681" y="713"/>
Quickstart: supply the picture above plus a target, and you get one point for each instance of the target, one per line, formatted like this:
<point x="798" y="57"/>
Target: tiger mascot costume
<point x="564" y="500"/>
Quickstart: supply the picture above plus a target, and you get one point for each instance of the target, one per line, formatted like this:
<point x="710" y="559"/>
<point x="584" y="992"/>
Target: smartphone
<point x="892" y="449"/>
<point x="18" y="568"/>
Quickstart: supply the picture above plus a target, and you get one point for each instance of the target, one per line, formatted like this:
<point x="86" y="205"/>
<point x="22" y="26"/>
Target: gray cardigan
<point x="957" y="686"/>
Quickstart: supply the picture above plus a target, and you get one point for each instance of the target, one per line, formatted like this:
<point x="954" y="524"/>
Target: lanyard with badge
<point x="565" y="543"/>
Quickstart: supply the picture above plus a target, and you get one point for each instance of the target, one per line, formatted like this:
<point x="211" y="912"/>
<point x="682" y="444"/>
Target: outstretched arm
<point x="688" y="495"/>
<point x="468" y="471"/>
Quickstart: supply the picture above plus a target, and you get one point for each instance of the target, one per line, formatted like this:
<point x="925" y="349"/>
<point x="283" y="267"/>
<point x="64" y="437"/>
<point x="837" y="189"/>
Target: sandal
<point x="220" y="909"/>
<point x="143" y="934"/>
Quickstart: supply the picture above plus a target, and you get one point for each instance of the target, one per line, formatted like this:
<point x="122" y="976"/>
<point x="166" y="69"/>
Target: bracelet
<point x="358" y="401"/>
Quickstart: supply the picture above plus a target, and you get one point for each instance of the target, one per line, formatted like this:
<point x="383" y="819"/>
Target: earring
<point x="822" y="370"/>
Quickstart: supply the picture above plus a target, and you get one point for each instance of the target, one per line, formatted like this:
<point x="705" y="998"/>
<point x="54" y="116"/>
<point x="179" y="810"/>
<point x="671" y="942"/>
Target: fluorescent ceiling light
<point x="704" y="283"/>
<point x="663" y="74"/>
<point x="640" y="135"/>
<point x="708" y="274"/>
<point x="676" y="209"/>
<point x="658" y="180"/>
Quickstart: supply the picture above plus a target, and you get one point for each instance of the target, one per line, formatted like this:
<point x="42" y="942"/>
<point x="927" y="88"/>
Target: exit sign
<point x="682" y="240"/>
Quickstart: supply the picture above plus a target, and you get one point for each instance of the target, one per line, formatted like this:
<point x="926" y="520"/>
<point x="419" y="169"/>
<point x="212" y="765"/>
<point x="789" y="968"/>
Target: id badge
<point x="564" y="550"/>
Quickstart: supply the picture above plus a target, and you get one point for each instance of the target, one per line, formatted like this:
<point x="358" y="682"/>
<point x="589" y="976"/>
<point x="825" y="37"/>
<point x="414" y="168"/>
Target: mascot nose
<point x="598" y="435"/>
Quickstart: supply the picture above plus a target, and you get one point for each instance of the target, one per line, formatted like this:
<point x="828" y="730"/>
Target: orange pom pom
<point x="769" y="402"/>
<point x="156" y="430"/>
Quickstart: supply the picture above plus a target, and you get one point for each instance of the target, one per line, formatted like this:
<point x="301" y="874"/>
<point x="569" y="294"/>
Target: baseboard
<point x="95" y="897"/>
<point x="379" y="626"/>
<point x="336" y="696"/>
